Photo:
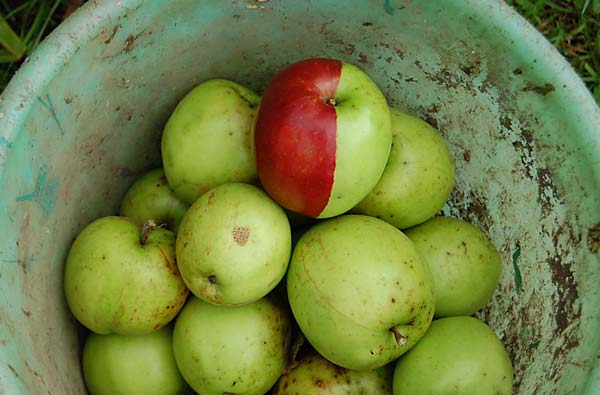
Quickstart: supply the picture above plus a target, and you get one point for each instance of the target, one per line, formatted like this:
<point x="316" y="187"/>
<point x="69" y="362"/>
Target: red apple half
<point x="322" y="137"/>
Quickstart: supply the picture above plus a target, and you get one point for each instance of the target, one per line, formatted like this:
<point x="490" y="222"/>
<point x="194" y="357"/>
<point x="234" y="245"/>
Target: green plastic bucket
<point x="84" y="117"/>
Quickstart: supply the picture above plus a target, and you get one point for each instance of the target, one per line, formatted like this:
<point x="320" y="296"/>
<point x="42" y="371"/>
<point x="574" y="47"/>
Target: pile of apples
<point x="276" y="220"/>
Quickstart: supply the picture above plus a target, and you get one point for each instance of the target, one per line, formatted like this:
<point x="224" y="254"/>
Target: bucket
<point x="83" y="118"/>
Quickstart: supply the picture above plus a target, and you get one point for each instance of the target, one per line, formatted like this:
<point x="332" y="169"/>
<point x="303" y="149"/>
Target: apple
<point x="207" y="141"/>
<point x="151" y="197"/>
<point x="457" y="355"/>
<point x="359" y="291"/>
<point x="121" y="277"/>
<point x="418" y="177"/>
<point x="464" y="264"/>
<point x="233" y="245"/>
<point x="314" y="375"/>
<point x="238" y="350"/>
<point x="322" y="137"/>
<point x="117" y="364"/>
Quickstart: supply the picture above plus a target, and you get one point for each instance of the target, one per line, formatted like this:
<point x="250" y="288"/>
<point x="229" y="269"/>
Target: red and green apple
<point x="322" y="137"/>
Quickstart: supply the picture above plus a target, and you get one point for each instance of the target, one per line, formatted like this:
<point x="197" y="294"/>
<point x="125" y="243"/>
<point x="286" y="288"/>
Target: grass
<point x="573" y="26"/>
<point x="23" y="24"/>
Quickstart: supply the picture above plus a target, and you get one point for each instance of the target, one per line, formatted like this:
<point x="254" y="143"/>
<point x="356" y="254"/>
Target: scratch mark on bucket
<point x="388" y="7"/>
<point x="12" y="262"/>
<point x="518" y="277"/>
<point x="5" y="142"/>
<point x="14" y="371"/>
<point x="50" y="107"/>
<point x="534" y="345"/>
<point x="540" y="90"/>
<point x="44" y="193"/>
<point x="112" y="34"/>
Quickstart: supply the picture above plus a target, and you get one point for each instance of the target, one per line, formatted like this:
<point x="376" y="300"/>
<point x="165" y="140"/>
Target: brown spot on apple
<point x="211" y="197"/>
<point x="165" y="258"/>
<point x="339" y="370"/>
<point x="241" y="234"/>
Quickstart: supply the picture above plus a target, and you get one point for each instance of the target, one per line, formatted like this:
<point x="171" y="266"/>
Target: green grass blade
<point x="585" y="6"/>
<point x="35" y="25"/>
<point x="5" y="5"/>
<point x="7" y="57"/>
<point x="26" y="27"/>
<point x="556" y="7"/>
<point x="15" y="11"/>
<point x="45" y="25"/>
<point x="590" y="70"/>
<point x="10" y="41"/>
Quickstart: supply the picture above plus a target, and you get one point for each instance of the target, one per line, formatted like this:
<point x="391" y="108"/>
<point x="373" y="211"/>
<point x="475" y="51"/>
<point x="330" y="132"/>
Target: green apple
<point x="314" y="375"/>
<point x="233" y="245"/>
<point x="418" y="177"/>
<point x="124" y="365"/>
<point x="457" y="355"/>
<point x="322" y="137"/>
<point x="465" y="265"/>
<point x="151" y="197"/>
<point x="208" y="139"/>
<point x="238" y="350"/>
<point x="359" y="291"/>
<point x="121" y="277"/>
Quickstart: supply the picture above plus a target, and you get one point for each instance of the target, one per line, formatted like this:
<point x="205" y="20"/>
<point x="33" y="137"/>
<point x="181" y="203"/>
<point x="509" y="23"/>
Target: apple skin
<point x="314" y="375"/>
<point x="123" y="365"/>
<point x="233" y="245"/>
<point x="151" y="197"/>
<point x="457" y="355"/>
<point x="208" y="139"/>
<point x="464" y="264"/>
<point x="322" y="137"/>
<point x="418" y="177"/>
<point x="114" y="284"/>
<point x="359" y="291"/>
<point x="240" y="350"/>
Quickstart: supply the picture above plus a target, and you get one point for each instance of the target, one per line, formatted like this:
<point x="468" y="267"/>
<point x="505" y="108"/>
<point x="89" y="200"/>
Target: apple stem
<point x="148" y="227"/>
<point x="331" y="101"/>
<point x="400" y="338"/>
<point x="293" y="362"/>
